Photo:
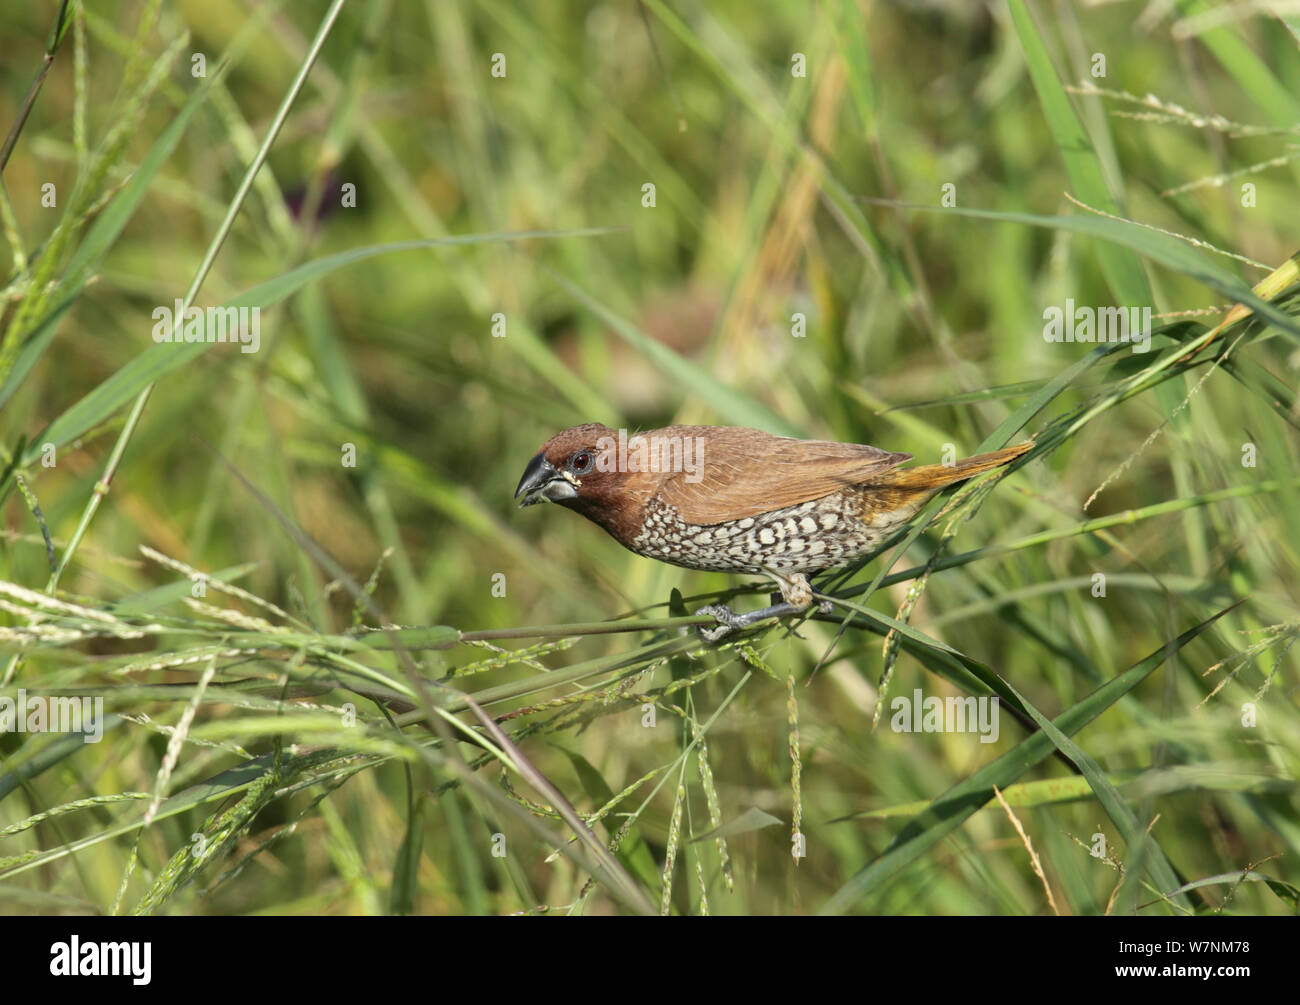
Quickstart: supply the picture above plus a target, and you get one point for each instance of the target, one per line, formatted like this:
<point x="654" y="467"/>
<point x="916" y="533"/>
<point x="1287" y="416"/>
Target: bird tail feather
<point x="937" y="476"/>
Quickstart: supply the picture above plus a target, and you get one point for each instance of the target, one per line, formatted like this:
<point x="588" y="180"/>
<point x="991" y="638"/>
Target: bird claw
<point x="728" y="622"/>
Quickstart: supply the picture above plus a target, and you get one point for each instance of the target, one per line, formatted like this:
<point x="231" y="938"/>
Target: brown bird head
<point x="579" y="469"/>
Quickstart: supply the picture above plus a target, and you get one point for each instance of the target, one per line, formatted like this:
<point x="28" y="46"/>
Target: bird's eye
<point x="581" y="462"/>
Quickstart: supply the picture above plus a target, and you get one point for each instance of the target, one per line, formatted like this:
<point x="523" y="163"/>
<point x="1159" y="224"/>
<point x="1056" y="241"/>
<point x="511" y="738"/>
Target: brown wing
<point x="744" y="472"/>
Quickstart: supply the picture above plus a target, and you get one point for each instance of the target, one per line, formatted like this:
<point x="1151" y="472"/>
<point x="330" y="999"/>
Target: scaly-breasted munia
<point x="729" y="499"/>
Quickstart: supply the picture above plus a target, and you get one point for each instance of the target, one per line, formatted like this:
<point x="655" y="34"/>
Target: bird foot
<point x="729" y="621"/>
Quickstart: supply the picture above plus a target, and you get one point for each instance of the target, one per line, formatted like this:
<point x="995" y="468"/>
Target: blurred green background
<point x="770" y="201"/>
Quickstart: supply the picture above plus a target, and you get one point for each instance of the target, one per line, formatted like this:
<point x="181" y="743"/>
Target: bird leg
<point x="797" y="596"/>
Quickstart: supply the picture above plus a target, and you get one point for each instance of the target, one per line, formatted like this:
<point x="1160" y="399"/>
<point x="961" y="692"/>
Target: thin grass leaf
<point x="1123" y="270"/>
<point x="752" y="819"/>
<point x="161" y="358"/>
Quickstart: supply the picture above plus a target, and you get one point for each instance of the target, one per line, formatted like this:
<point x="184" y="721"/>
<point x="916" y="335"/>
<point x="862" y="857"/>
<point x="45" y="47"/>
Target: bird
<point x="742" y="501"/>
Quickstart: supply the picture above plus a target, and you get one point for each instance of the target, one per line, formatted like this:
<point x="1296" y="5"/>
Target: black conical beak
<point x="542" y="482"/>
